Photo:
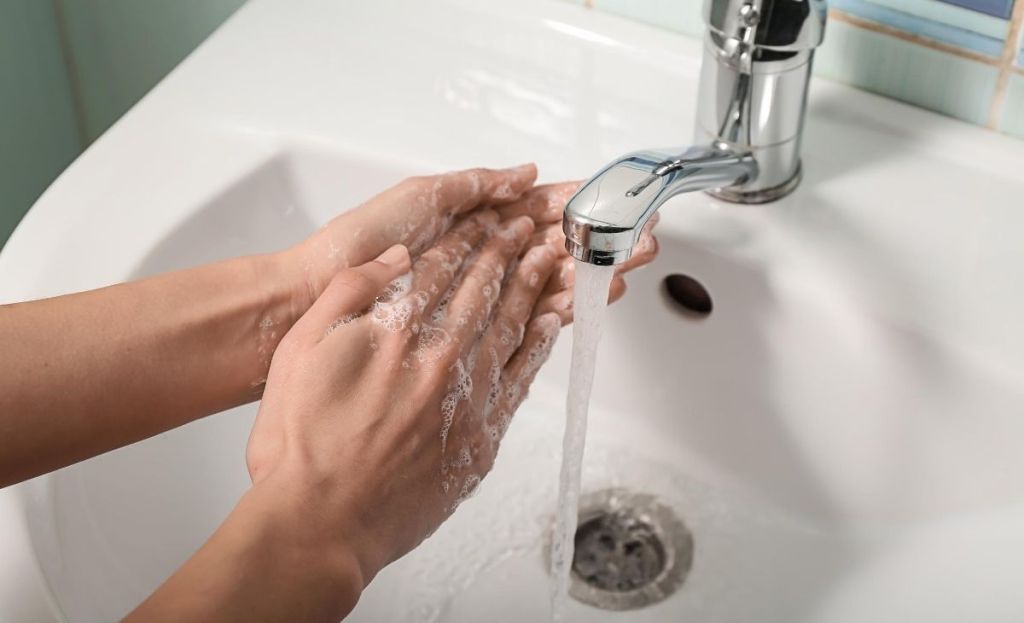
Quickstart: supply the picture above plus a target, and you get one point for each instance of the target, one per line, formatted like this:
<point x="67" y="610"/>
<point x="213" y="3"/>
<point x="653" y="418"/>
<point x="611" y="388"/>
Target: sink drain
<point x="630" y="551"/>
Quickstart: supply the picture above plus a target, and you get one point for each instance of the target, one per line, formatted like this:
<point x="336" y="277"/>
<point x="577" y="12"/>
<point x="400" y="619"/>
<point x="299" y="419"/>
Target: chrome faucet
<point x="750" y="116"/>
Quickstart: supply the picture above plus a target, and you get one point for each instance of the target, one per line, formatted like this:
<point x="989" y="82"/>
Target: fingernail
<point x="395" y="256"/>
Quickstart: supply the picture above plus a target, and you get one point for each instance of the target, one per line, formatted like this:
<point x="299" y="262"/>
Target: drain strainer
<point x="630" y="551"/>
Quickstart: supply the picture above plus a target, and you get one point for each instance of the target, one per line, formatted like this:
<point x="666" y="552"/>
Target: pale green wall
<point x="70" y="68"/>
<point x="38" y="137"/>
<point x="120" y="49"/>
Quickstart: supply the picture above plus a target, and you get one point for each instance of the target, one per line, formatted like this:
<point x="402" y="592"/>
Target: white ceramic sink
<point x="842" y="435"/>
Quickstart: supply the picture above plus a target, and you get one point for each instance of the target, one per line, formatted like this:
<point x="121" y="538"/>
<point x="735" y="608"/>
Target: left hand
<point x="414" y="213"/>
<point x="419" y="210"/>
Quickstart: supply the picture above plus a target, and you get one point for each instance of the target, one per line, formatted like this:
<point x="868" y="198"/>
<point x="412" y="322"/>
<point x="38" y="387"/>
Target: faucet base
<point x="764" y="195"/>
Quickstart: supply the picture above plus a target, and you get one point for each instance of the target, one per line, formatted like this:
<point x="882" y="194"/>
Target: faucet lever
<point x="643" y="184"/>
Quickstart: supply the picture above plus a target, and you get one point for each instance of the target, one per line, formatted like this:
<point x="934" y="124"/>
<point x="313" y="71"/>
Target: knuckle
<point x="433" y="255"/>
<point x="484" y="271"/>
<point x="510" y="330"/>
<point x="415" y="183"/>
<point x="440" y="375"/>
<point x="539" y="256"/>
<point x="489" y="217"/>
<point x="287" y="349"/>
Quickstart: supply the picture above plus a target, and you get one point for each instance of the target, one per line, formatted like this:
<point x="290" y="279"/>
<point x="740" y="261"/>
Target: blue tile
<point x="951" y="15"/>
<point x="1013" y="110"/>
<point x="936" y="31"/>
<point x="996" y="8"/>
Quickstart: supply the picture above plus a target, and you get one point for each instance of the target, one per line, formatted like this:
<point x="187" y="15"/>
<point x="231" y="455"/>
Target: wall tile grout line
<point x="1007" y="62"/>
<point x="865" y="24"/>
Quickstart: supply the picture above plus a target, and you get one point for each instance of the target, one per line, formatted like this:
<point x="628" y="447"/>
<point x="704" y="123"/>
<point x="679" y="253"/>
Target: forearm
<point x="86" y="373"/>
<point x="264" y="563"/>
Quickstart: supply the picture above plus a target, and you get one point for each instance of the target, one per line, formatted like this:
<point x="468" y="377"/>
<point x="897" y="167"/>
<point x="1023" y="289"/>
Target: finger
<point x="435" y="271"/>
<point x="519" y="373"/>
<point x="480" y="287"/>
<point x="349" y="293"/>
<point x="517" y="303"/>
<point x="564" y="276"/>
<point x="550" y="235"/>
<point x="561" y="303"/>
<point x="459" y="191"/>
<point x="505" y="333"/>
<point x="416" y="212"/>
<point x="443" y="197"/>
<point x="645" y="249"/>
<point x="544" y="204"/>
<point x="617" y="290"/>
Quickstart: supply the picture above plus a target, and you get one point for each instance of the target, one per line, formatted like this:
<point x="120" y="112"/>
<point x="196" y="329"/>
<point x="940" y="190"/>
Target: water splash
<point x="590" y="293"/>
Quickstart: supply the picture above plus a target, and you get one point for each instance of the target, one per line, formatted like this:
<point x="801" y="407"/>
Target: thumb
<point x="350" y="292"/>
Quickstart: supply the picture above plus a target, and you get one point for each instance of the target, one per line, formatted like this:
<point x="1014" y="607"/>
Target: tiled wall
<point x="963" y="58"/>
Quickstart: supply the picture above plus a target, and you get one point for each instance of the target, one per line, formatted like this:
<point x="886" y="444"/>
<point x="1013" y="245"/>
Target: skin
<point x="373" y="423"/>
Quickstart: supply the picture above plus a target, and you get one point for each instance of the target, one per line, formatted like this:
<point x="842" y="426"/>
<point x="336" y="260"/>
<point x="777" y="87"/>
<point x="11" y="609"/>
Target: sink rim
<point x="170" y="127"/>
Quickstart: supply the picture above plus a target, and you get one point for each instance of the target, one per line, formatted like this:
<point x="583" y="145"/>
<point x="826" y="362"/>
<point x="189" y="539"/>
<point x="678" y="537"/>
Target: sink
<point x="841" y="435"/>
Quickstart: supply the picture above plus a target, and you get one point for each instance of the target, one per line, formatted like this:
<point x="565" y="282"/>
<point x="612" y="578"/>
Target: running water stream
<point x="590" y="296"/>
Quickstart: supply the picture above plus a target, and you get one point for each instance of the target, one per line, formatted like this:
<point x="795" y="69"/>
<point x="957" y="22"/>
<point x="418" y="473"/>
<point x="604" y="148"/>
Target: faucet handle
<point x="780" y="25"/>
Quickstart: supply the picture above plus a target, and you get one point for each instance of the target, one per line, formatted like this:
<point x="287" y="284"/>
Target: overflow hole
<point x="689" y="295"/>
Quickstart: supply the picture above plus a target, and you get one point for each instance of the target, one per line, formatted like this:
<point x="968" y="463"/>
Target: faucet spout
<point x="603" y="220"/>
<point x="750" y="117"/>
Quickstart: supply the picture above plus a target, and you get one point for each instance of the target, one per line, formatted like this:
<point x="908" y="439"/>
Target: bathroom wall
<point x="963" y="58"/>
<point x="38" y="135"/>
<point x="119" y="49"/>
<point x="70" y="68"/>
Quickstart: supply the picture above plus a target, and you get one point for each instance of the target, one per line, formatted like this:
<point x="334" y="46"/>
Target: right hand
<point x="380" y="417"/>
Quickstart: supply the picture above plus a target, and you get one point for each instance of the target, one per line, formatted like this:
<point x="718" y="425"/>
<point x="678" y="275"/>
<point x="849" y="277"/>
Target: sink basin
<point x="841" y="435"/>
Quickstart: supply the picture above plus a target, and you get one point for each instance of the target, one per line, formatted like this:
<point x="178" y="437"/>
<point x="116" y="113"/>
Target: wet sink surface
<point x="841" y="434"/>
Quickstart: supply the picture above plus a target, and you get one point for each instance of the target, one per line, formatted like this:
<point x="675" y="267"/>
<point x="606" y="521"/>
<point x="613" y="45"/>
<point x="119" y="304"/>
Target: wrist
<point x="292" y="278"/>
<point x="320" y="518"/>
<point x="260" y="560"/>
<point x="306" y="543"/>
<point x="311" y="264"/>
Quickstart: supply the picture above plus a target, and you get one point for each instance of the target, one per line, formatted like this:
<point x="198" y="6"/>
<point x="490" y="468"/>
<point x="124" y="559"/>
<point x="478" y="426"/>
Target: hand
<point x="414" y="213"/>
<point x="381" y="415"/>
<point x="389" y="413"/>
